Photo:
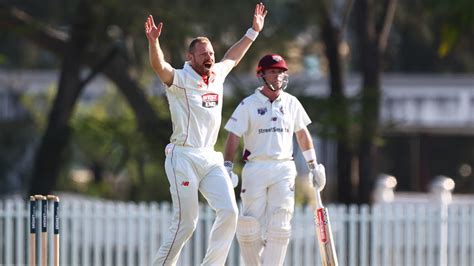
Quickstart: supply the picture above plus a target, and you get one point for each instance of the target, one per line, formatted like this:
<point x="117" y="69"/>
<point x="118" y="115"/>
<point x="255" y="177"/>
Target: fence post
<point x="440" y="189"/>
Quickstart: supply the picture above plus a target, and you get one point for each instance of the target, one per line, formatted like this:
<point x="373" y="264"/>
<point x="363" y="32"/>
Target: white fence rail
<point x="110" y="233"/>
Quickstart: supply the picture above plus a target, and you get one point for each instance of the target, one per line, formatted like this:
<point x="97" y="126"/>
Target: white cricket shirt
<point x="267" y="128"/>
<point x="196" y="107"/>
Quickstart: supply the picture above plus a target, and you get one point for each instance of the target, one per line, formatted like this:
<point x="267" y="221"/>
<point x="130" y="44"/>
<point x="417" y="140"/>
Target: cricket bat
<point x="324" y="233"/>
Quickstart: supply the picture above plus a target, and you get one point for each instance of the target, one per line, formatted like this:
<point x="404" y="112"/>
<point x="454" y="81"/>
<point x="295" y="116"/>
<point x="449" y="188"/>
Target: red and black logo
<point x="210" y="100"/>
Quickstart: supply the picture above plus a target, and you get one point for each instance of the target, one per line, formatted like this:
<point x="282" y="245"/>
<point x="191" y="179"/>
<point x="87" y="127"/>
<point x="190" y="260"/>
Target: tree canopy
<point x="87" y="38"/>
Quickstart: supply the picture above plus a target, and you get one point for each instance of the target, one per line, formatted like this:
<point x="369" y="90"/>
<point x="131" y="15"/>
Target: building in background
<point x="427" y="122"/>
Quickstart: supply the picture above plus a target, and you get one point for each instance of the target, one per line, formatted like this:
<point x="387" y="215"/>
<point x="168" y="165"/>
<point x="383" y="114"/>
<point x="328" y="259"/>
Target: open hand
<point x="259" y="17"/>
<point x="151" y="30"/>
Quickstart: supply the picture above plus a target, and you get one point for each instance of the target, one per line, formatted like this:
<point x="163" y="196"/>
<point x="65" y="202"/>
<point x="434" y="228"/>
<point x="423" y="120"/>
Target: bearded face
<point x="201" y="58"/>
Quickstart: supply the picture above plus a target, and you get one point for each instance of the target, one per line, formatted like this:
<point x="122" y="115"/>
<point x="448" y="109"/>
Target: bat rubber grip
<point x="319" y="203"/>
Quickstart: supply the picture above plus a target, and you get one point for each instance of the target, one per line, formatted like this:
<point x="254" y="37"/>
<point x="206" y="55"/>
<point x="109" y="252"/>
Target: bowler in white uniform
<point x="267" y="120"/>
<point x="195" y="101"/>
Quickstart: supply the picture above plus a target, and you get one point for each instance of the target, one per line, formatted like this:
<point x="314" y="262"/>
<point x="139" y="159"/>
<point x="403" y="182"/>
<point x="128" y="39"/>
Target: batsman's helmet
<point x="271" y="61"/>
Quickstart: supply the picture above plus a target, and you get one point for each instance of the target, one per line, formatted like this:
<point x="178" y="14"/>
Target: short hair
<point x="196" y="40"/>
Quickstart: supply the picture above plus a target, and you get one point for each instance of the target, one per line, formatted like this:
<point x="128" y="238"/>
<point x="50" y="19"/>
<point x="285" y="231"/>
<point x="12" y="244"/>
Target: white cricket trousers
<point x="268" y="196"/>
<point x="266" y="187"/>
<point x="189" y="171"/>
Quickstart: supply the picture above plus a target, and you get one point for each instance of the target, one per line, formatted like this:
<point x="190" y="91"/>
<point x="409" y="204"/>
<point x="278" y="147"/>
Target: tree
<point x="372" y="42"/>
<point x="330" y="22"/>
<point x="332" y="36"/>
<point x="114" y="63"/>
<point x="55" y="139"/>
<point x="432" y="36"/>
<point x="116" y="68"/>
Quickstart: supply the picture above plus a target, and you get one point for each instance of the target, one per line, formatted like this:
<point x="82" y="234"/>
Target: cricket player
<point x="195" y="100"/>
<point x="267" y="121"/>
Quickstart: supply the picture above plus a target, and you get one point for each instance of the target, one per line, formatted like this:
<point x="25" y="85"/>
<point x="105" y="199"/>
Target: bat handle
<point x="319" y="203"/>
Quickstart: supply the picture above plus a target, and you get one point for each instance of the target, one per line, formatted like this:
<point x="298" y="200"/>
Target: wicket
<point x="34" y="232"/>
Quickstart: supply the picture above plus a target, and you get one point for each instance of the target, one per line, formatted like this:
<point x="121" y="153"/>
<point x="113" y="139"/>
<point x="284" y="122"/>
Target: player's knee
<point x="188" y="230"/>
<point x="281" y="218"/>
<point x="229" y="215"/>
<point x="280" y="224"/>
<point x="248" y="229"/>
<point x="187" y="227"/>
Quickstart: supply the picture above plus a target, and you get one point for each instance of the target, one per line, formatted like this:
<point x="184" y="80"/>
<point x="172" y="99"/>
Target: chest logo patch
<point x="210" y="100"/>
<point x="282" y="111"/>
<point x="262" y="111"/>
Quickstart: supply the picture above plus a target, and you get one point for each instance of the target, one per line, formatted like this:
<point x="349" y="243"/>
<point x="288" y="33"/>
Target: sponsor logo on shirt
<point x="282" y="111"/>
<point x="273" y="130"/>
<point x="210" y="100"/>
<point x="262" y="111"/>
<point x="185" y="183"/>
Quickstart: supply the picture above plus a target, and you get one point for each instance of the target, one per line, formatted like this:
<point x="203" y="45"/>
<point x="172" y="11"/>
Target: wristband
<point x="251" y="34"/>
<point x="310" y="155"/>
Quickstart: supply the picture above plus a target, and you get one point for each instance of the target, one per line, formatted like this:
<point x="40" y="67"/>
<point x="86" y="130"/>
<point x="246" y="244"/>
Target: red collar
<point x="205" y="79"/>
<point x="209" y="79"/>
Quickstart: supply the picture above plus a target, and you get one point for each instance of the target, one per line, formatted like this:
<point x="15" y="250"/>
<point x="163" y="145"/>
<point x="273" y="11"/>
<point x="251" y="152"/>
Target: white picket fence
<point x="111" y="233"/>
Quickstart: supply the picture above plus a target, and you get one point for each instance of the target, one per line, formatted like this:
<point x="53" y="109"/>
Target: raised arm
<point x="157" y="60"/>
<point x="238" y="50"/>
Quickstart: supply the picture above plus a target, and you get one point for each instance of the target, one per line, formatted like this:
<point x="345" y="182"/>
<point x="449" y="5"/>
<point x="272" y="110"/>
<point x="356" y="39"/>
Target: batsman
<point x="267" y="121"/>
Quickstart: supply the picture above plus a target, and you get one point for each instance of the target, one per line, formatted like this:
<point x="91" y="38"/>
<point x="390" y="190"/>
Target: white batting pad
<point x="250" y="239"/>
<point x="278" y="236"/>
